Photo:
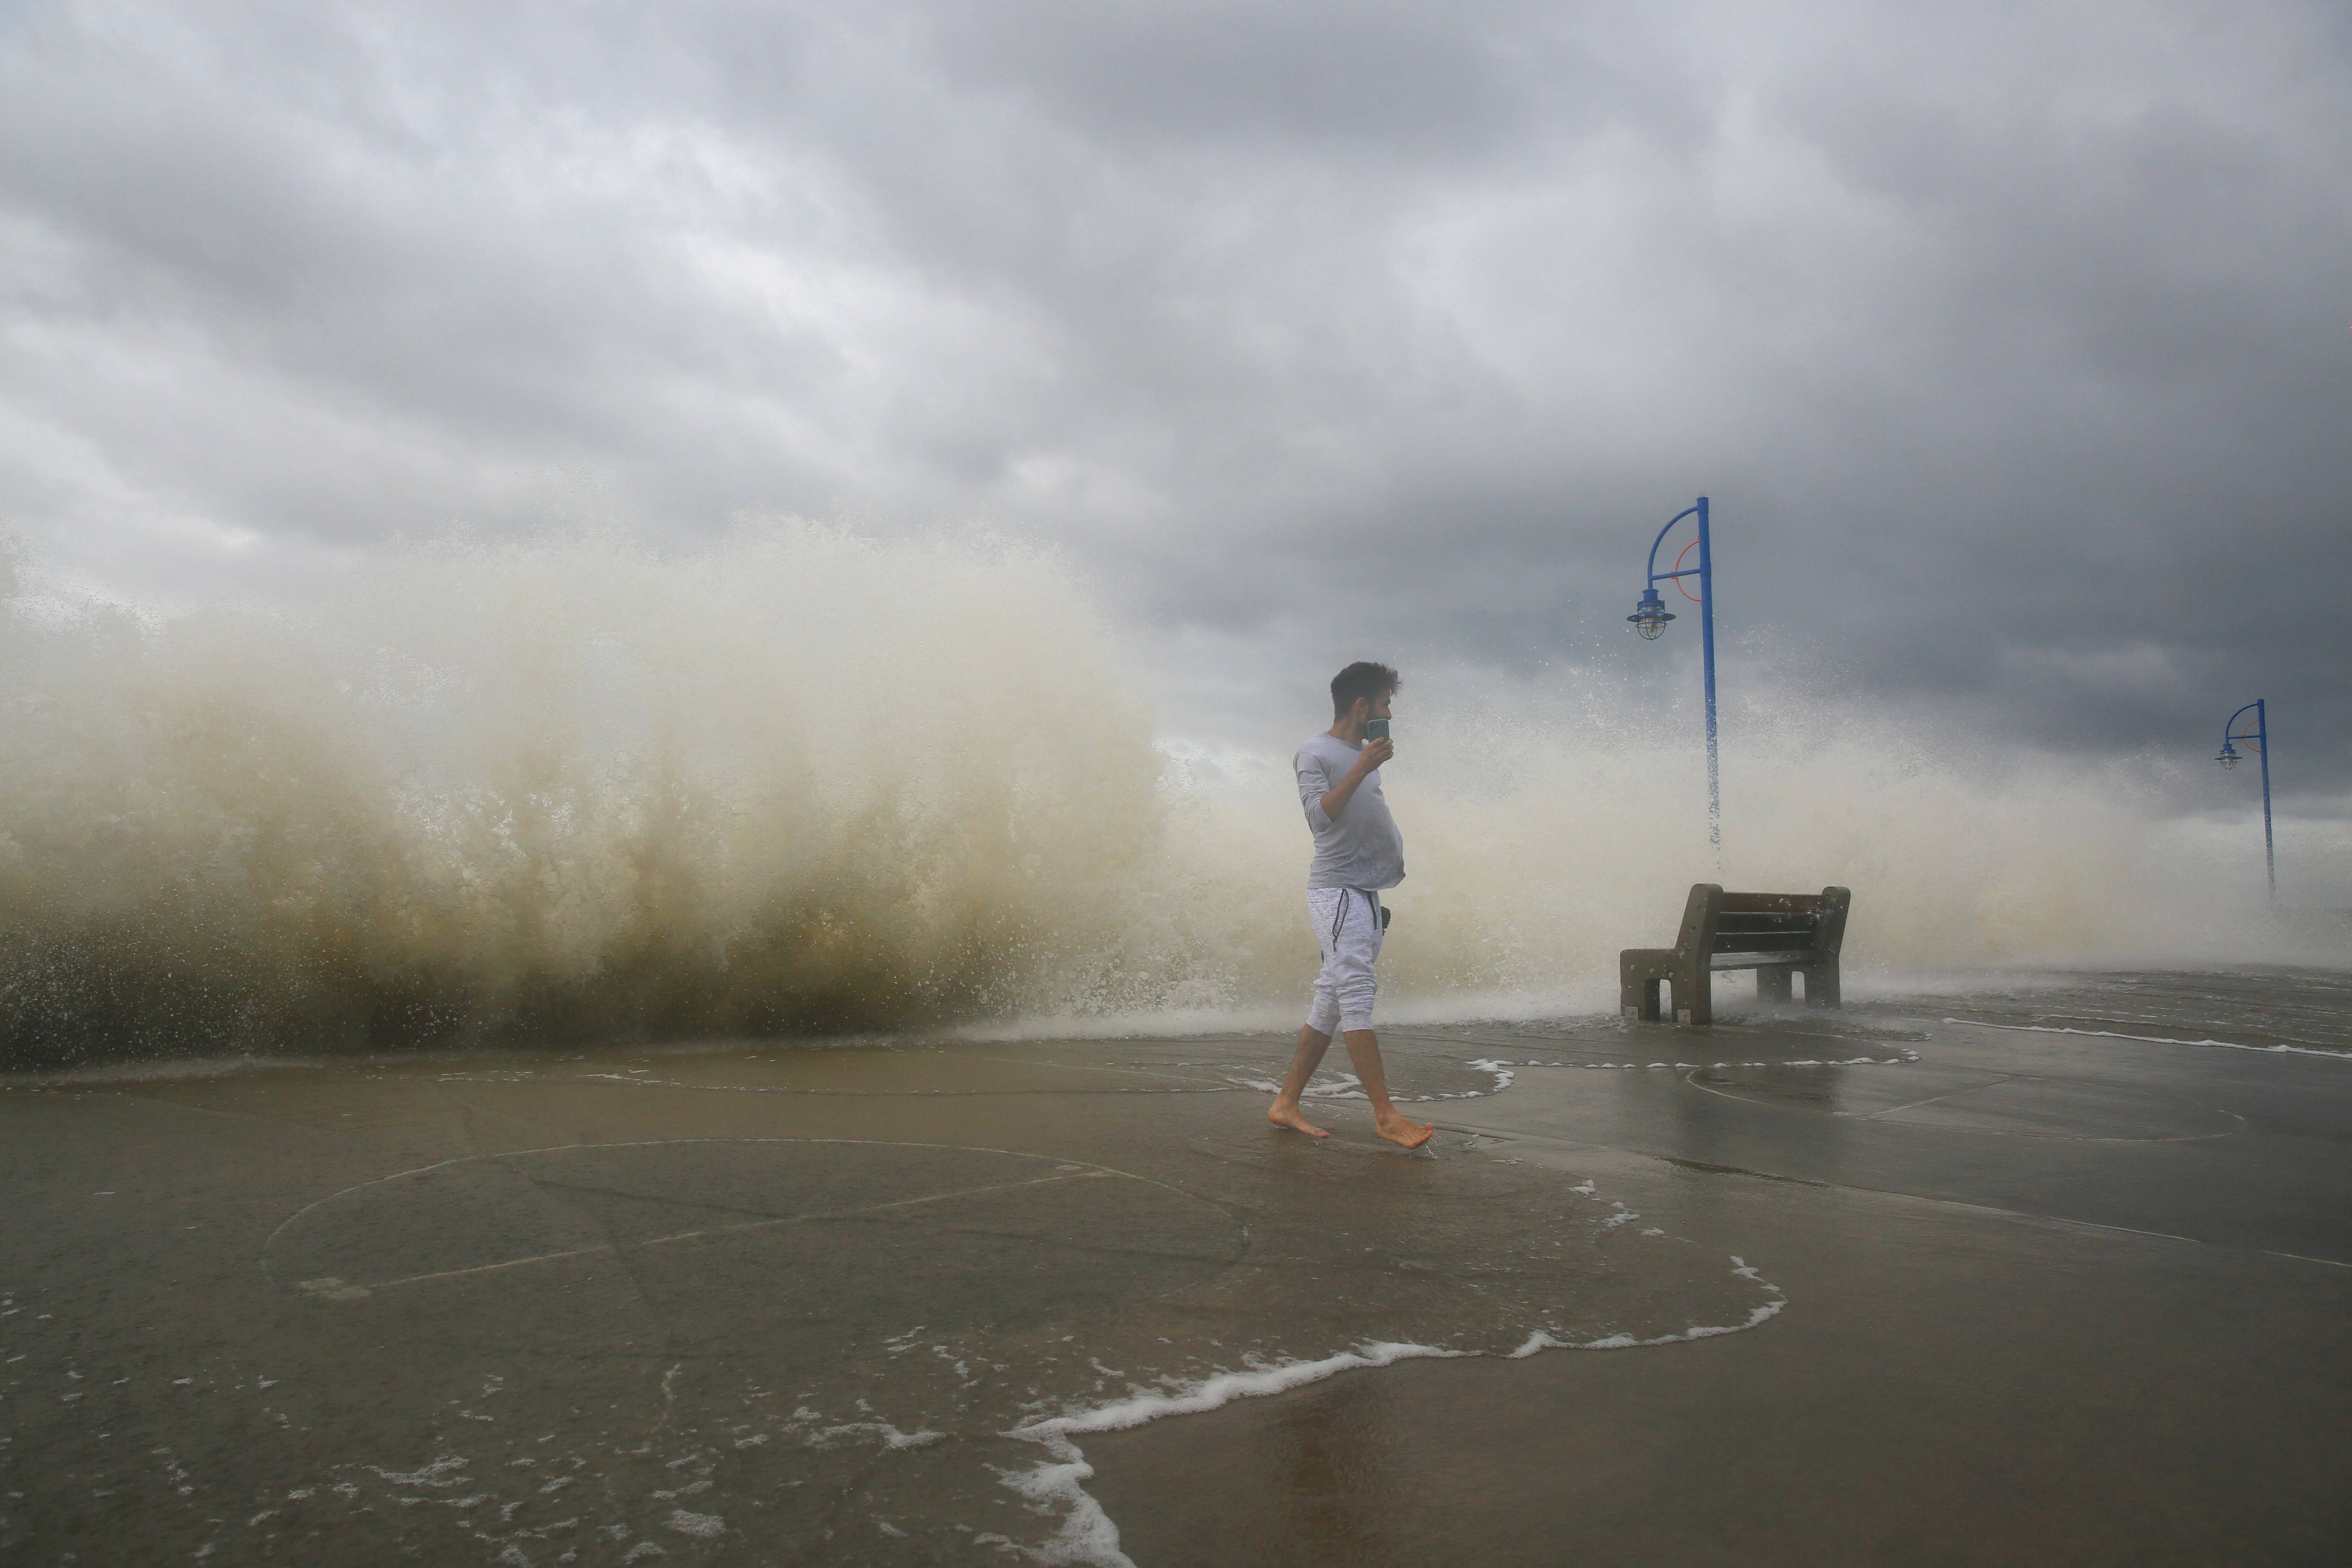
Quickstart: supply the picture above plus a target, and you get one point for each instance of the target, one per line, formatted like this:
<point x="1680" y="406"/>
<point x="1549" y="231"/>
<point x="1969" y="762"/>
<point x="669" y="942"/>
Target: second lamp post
<point x="2260" y="736"/>
<point x="1650" y="617"/>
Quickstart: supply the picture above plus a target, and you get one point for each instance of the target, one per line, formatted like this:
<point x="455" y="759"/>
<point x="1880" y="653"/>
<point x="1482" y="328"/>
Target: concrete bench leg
<point x="1640" y="973"/>
<point x="1821" y="986"/>
<point x="1695" y="995"/>
<point x="1682" y="966"/>
<point x="1772" y="985"/>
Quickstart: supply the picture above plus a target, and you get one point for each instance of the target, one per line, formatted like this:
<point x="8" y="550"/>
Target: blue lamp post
<point x="1650" y="617"/>
<point x="2260" y="736"/>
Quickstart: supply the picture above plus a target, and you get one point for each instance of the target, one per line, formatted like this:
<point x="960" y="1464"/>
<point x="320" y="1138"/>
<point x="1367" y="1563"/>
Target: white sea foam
<point x="1504" y="1076"/>
<point x="1347" y="1086"/>
<point x="2154" y="1039"/>
<point x="444" y="1471"/>
<point x="889" y="1435"/>
<point x="1085" y="1533"/>
<point x="1904" y="1060"/>
<point x="1087" y="1536"/>
<point x="1221" y="1389"/>
<point x="704" y="1526"/>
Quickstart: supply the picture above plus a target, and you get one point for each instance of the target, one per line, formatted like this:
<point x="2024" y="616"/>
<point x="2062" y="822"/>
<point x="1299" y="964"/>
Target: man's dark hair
<point x="1363" y="679"/>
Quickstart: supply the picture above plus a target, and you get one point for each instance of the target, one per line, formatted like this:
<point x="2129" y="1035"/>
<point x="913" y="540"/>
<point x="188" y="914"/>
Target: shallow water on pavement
<point x="882" y="1303"/>
<point x="682" y="1317"/>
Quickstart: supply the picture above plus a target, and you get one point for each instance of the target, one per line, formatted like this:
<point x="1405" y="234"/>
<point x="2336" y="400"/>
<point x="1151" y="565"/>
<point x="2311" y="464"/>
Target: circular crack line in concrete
<point x="513" y="1163"/>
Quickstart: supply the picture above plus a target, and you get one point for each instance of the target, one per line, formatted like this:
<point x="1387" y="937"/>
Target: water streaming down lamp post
<point x="2259" y="737"/>
<point x="1650" y="617"/>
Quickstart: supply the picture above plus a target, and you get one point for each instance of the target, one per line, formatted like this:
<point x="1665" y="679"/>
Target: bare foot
<point x="1291" y="1117"/>
<point x="1397" y="1129"/>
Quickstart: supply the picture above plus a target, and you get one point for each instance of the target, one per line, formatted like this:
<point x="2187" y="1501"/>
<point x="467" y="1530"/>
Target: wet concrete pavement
<point x="2056" y="1272"/>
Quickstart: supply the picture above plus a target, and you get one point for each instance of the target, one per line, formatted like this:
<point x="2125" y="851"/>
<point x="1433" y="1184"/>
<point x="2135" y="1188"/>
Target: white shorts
<point x="1348" y="928"/>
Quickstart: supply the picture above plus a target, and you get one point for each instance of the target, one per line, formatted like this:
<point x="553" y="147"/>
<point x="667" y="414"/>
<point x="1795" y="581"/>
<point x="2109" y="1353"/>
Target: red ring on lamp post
<point x="1678" y="566"/>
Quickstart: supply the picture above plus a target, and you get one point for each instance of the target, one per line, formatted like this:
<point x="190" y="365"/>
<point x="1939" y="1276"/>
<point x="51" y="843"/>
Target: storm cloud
<point x="2012" y="342"/>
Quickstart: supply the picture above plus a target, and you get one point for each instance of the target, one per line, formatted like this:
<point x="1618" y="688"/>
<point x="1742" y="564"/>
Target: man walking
<point x="1358" y="854"/>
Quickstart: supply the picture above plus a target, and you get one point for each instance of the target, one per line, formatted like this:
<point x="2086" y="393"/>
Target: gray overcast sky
<point x="2013" y="341"/>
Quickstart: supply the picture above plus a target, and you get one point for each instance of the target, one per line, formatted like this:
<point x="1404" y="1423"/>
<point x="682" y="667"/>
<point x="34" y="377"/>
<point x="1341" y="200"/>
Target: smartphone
<point x="1376" y="728"/>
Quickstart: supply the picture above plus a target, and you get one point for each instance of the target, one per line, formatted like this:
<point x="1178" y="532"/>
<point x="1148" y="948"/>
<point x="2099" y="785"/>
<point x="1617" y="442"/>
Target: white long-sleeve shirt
<point x="1363" y="848"/>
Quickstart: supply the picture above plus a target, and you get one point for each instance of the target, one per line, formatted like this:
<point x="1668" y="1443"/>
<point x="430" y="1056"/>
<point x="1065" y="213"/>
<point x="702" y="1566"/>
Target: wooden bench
<point x="1775" y="934"/>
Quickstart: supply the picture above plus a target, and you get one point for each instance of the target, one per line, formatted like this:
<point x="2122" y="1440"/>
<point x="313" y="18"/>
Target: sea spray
<point x="796" y="782"/>
<point x="804" y="781"/>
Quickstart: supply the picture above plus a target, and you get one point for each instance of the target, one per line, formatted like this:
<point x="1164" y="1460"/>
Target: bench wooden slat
<point x="1770" y="903"/>
<point x="1761" y="942"/>
<point x="1741" y="960"/>
<point x="1805" y="923"/>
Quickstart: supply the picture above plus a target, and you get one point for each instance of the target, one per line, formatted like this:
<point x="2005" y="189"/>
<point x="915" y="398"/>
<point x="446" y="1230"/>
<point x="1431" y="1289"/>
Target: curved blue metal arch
<point x="2257" y="734"/>
<point x="1654" y="578"/>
